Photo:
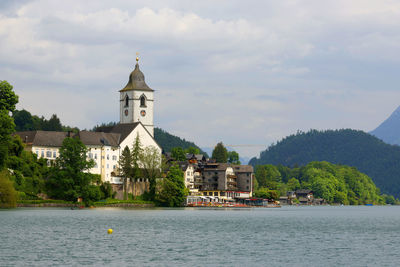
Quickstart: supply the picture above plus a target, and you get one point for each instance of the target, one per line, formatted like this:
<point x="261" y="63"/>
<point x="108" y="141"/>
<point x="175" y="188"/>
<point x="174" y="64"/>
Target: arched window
<point x="126" y="101"/>
<point x="142" y="101"/>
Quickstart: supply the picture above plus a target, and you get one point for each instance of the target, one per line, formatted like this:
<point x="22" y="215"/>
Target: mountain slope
<point x="168" y="141"/>
<point x="367" y="153"/>
<point x="389" y="130"/>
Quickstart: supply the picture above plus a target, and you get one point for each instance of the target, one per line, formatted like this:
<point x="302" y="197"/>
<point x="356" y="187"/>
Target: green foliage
<point x="347" y="147"/>
<point x="24" y="121"/>
<point x="69" y="178"/>
<point x="293" y="184"/>
<point x="220" y="154"/>
<point x="334" y="183"/>
<point x="268" y="176"/>
<point x="151" y="161"/>
<point x="233" y="157"/>
<point x="28" y="172"/>
<point x="178" y="154"/>
<point x="8" y="99"/>
<point x="172" y="191"/>
<point x="266" y="193"/>
<point x="192" y="150"/>
<point x="107" y="191"/>
<point x="125" y="168"/>
<point x="8" y="195"/>
<point x="168" y="141"/>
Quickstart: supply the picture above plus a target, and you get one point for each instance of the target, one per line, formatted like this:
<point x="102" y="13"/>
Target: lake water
<point x="289" y="236"/>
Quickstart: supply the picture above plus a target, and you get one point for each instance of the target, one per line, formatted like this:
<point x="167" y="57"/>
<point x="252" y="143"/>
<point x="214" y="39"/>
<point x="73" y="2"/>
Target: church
<point x="136" y="104"/>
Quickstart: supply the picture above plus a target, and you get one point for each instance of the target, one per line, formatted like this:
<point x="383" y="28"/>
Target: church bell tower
<point x="136" y="101"/>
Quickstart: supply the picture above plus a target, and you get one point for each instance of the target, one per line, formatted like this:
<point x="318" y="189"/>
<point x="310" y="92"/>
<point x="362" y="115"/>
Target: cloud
<point x="229" y="71"/>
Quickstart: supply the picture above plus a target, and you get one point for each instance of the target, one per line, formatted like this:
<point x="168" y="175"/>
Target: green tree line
<point x="332" y="182"/>
<point x="368" y="154"/>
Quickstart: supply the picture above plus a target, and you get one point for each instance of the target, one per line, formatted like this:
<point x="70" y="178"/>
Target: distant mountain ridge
<point x="389" y="130"/>
<point x="368" y="154"/>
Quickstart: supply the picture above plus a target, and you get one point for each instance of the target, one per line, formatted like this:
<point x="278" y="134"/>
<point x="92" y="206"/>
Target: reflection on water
<point x="301" y="236"/>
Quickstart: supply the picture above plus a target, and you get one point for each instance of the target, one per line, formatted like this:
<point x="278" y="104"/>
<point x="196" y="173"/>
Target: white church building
<point x="105" y="146"/>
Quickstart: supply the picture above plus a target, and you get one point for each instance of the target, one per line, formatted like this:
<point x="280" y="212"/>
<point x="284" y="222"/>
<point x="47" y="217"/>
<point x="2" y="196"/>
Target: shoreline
<point x="79" y="206"/>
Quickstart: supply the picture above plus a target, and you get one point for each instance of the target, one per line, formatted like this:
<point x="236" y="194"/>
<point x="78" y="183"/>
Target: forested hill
<point x="368" y="154"/>
<point x="168" y="141"/>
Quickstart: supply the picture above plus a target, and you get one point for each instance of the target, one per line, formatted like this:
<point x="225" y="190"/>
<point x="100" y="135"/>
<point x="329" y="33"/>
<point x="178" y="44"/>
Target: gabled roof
<point x="55" y="139"/>
<point x="99" y="138"/>
<point x="43" y="138"/>
<point x="124" y="129"/>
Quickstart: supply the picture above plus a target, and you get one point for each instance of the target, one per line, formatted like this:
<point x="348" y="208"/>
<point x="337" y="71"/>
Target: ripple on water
<point x="301" y="236"/>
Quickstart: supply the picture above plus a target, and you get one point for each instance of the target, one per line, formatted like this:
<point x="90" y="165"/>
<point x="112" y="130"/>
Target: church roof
<point x="99" y="138"/>
<point x="124" y="129"/>
<point x="136" y="81"/>
<point x="55" y="139"/>
<point x="43" y="138"/>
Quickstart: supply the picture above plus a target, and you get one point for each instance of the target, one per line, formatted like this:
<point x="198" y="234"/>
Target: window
<point x="143" y="101"/>
<point x="54" y="154"/>
<point x="114" y="157"/>
<point x="95" y="156"/>
<point x="215" y="194"/>
<point x="114" y="167"/>
<point x="108" y="166"/>
<point x="108" y="156"/>
<point x="37" y="152"/>
<point x="48" y="154"/>
<point x="95" y="165"/>
<point x="42" y="154"/>
<point x="90" y="155"/>
<point x="126" y="101"/>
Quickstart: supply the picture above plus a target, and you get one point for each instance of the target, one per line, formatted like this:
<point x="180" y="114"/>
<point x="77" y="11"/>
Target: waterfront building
<point x="105" y="146"/>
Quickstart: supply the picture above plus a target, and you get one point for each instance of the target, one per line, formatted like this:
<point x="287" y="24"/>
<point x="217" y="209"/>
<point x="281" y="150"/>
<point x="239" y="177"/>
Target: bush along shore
<point x="103" y="203"/>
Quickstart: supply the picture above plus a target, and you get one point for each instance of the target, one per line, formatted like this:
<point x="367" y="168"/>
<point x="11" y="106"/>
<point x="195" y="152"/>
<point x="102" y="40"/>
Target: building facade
<point x="105" y="146"/>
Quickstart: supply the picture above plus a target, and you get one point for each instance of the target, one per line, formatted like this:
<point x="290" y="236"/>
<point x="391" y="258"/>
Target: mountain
<point x="368" y="154"/>
<point x="168" y="141"/>
<point x="389" y="130"/>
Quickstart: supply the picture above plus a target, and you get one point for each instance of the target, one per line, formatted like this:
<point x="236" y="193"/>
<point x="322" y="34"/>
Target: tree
<point x="69" y="178"/>
<point x="233" y="157"/>
<point x="53" y="124"/>
<point x="8" y="196"/>
<point x="23" y="120"/>
<point x="151" y="162"/>
<point x="178" y="154"/>
<point x="192" y="150"/>
<point x="125" y="168"/>
<point x="220" y="154"/>
<point x="8" y="100"/>
<point x="137" y="151"/>
<point x="293" y="184"/>
<point x="172" y="191"/>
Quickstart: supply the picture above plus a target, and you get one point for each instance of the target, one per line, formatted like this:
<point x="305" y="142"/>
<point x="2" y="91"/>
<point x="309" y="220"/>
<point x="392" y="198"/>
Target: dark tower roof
<point x="136" y="81"/>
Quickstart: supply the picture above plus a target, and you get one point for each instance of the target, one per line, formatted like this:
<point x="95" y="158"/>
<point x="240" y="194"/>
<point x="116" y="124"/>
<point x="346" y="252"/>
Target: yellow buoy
<point x="109" y="231"/>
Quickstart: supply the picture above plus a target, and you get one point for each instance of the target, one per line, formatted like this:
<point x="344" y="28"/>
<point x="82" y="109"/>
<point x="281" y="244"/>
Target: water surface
<point x="301" y="236"/>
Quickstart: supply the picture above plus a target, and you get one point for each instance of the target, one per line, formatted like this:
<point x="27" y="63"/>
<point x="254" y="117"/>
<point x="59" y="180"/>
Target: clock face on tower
<point x="143" y="113"/>
<point x="126" y="112"/>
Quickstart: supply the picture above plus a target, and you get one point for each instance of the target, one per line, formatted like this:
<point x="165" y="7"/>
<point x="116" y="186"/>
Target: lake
<point x="301" y="236"/>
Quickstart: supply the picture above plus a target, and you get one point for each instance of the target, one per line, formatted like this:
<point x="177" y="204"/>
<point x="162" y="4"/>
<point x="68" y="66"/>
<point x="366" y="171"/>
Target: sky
<point x="247" y="73"/>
